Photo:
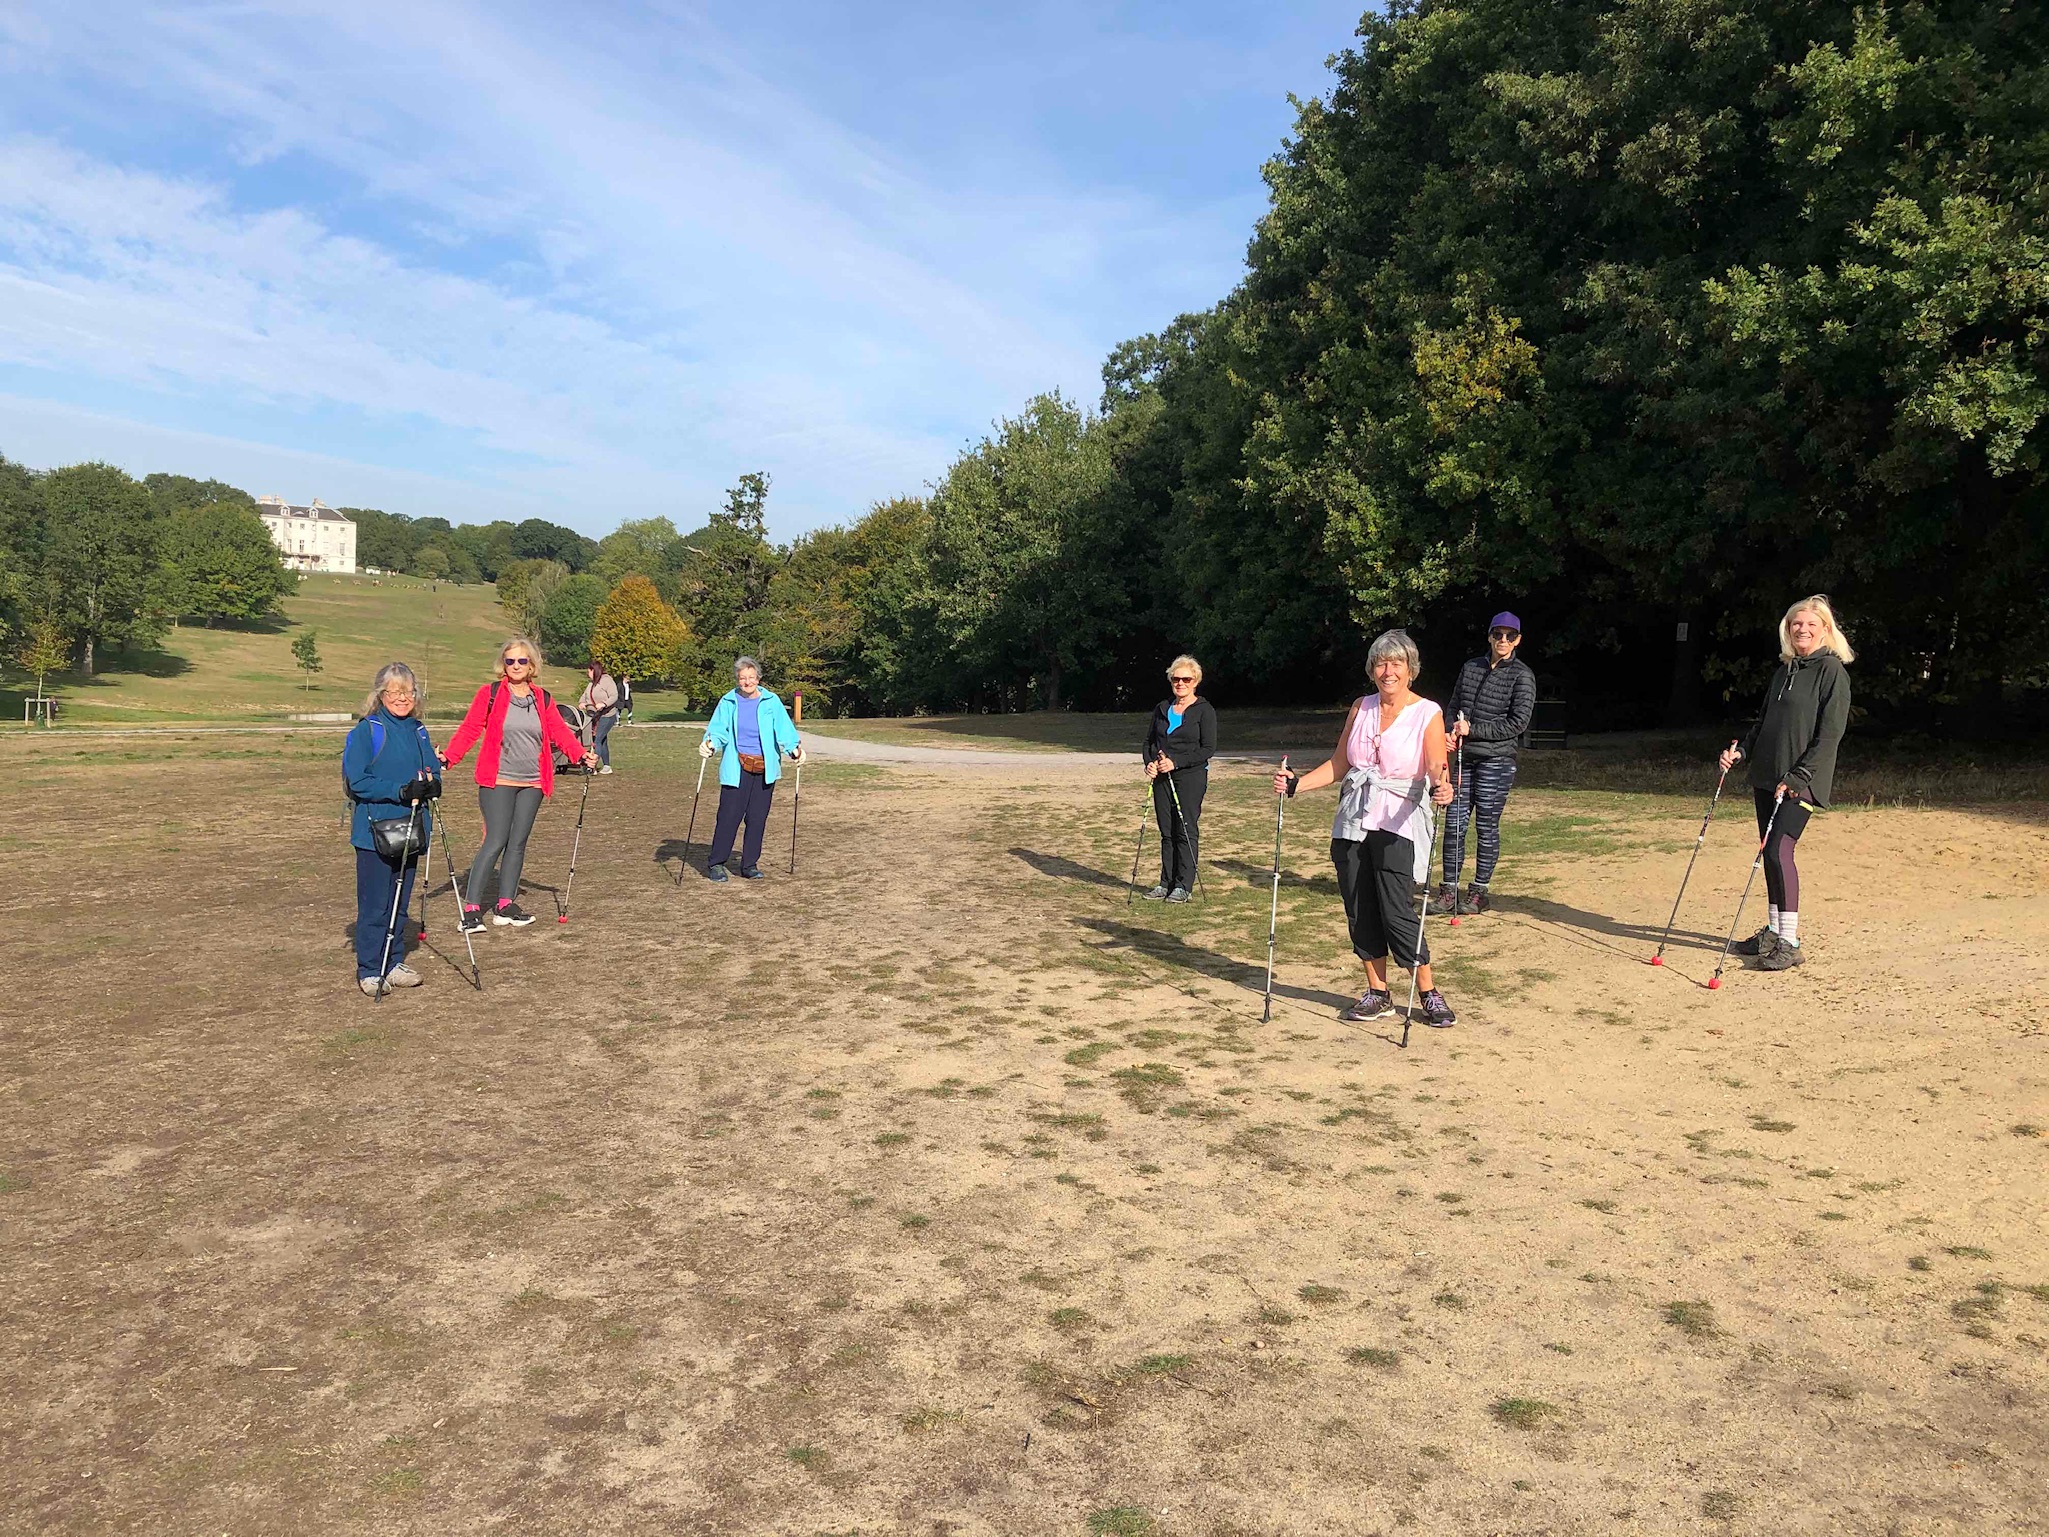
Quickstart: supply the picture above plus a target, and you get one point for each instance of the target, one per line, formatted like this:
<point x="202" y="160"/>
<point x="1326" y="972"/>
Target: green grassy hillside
<point x="448" y="635"/>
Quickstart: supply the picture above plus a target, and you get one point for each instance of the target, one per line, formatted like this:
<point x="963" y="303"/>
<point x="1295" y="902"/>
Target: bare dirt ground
<point x="939" y="1190"/>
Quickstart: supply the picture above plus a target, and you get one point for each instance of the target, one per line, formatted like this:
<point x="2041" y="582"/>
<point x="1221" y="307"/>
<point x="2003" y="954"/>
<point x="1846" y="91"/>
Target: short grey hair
<point x="394" y="672"/>
<point x="740" y="662"/>
<point x="1395" y="643"/>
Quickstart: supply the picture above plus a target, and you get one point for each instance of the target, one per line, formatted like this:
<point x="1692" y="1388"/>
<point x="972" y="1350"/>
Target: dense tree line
<point x="461" y="552"/>
<point x="1643" y="319"/>
<point x="105" y="563"/>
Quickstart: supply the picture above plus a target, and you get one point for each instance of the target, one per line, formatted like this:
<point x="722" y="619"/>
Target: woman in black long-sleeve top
<point x="1178" y="746"/>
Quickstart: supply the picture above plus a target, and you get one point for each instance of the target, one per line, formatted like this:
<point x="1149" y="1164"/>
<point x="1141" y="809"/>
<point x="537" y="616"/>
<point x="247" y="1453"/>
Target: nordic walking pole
<point x="575" y="844"/>
<point x="684" y="863"/>
<point x="1178" y="817"/>
<point x="1273" y="909"/>
<point x="1458" y="785"/>
<point x="1131" y="891"/>
<point x="397" y="891"/>
<point x="455" y="885"/>
<point x="426" y="880"/>
<point x="1415" y="971"/>
<point x="796" y="788"/>
<point x="1699" y="839"/>
<point x="1756" y="865"/>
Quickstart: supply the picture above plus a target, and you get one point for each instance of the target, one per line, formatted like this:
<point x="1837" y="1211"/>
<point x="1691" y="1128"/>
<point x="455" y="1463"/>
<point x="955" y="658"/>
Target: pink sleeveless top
<point x="1384" y="790"/>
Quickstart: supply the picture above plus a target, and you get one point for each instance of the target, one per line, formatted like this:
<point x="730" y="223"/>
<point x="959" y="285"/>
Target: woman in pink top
<point x="1389" y="755"/>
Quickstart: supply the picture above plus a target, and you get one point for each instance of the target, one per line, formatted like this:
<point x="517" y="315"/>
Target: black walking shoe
<point x="752" y="873"/>
<point x="1782" y="957"/>
<point x="1372" y="1004"/>
<point x="1476" y="899"/>
<point x="1441" y="898"/>
<point x="1158" y="893"/>
<point x="1762" y="943"/>
<point x="510" y="915"/>
<point x="1178" y="894"/>
<point x="715" y="873"/>
<point x="472" y="921"/>
<point x="1436" y="1012"/>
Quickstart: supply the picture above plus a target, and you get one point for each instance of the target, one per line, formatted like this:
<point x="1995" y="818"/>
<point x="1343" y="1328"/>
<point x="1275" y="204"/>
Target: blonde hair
<point x="1185" y="660"/>
<point x="1833" y="640"/>
<point x="532" y="650"/>
<point x="389" y="673"/>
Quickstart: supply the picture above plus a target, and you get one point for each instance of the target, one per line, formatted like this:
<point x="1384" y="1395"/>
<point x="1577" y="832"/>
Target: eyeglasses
<point x="1504" y="634"/>
<point x="519" y="661"/>
<point x="1189" y="681"/>
<point x="398" y="693"/>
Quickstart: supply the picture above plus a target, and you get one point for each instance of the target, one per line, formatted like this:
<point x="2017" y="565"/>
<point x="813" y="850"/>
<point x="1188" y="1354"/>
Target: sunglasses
<point x="1504" y="634"/>
<point x="519" y="661"/>
<point x="1189" y="681"/>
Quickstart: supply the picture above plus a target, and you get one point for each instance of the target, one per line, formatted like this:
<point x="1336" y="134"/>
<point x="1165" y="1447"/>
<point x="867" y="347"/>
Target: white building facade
<point x="313" y="538"/>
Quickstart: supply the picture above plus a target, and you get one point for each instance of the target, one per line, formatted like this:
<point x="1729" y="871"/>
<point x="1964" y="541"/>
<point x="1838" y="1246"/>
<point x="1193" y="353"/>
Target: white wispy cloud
<point x="589" y="246"/>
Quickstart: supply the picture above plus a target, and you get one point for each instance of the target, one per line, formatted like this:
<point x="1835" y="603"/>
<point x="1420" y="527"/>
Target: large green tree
<point x="227" y="567"/>
<point x="1024" y="554"/>
<point x="101" y="565"/>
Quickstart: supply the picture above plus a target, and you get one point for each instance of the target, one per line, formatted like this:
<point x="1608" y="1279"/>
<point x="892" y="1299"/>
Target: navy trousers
<point x="376" y="879"/>
<point x="748" y="802"/>
<point x="1482" y="797"/>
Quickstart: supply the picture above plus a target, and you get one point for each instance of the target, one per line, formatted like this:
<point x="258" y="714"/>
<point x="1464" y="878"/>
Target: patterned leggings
<point x="1484" y="794"/>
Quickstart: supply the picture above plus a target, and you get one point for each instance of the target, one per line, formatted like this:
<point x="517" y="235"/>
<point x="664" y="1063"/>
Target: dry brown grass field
<point x="941" y="1190"/>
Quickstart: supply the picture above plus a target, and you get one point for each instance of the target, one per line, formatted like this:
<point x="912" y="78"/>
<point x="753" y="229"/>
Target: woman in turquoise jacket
<point x="753" y="731"/>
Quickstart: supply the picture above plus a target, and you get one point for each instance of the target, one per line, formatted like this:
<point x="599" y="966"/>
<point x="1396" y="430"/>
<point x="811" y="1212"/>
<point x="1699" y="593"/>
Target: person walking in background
<point x="626" y="699"/>
<point x="752" y="731"/>
<point x="600" y="705"/>
<point x="1491" y="706"/>
<point x="517" y="723"/>
<point x="385" y="753"/>
<point x="1390" y="751"/>
<point x="1792" y="754"/>
<point x="1179" y="743"/>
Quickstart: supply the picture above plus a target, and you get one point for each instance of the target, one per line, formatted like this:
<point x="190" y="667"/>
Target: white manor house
<point x="314" y="538"/>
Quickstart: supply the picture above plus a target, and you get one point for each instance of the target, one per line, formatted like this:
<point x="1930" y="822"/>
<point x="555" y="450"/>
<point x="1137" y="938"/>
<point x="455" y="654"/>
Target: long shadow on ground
<point x="1173" y="950"/>
<point x="1262" y="875"/>
<point x="1061" y="868"/>
<point x="680" y="851"/>
<point x="1545" y="911"/>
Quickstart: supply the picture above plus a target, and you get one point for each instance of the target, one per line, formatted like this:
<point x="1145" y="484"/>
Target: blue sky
<point x="595" y="260"/>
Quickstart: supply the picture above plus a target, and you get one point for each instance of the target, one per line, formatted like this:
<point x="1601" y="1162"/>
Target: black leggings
<point x="1180" y="837"/>
<point x="1781" y="875"/>
<point x="1377" y="878"/>
<point x="509" y="812"/>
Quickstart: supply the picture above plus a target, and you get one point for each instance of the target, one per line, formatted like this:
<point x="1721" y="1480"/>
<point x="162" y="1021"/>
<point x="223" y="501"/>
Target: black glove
<point x="417" y="790"/>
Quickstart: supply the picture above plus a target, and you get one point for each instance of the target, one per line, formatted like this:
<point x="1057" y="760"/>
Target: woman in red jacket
<point x="518" y="724"/>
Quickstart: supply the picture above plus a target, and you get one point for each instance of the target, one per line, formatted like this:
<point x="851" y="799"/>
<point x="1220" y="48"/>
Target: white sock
<point x="1789" y="928"/>
<point x="1771" y="918"/>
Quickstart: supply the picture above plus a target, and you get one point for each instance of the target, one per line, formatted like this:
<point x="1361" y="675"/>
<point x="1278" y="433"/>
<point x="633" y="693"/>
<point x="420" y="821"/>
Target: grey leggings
<point x="509" y="812"/>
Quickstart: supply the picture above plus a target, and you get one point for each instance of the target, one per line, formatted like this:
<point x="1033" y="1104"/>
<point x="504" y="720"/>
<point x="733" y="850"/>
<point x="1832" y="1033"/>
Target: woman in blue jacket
<point x="753" y="731"/>
<point x="387" y="751"/>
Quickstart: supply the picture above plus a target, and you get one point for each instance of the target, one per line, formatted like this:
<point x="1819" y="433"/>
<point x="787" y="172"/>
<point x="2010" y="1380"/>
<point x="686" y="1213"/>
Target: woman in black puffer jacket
<point x="1792" y="755"/>
<point x="1178" y="746"/>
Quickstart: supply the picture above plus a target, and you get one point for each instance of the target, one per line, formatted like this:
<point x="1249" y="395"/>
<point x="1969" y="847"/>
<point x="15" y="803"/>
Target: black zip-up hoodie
<point x="1193" y="745"/>
<point x="1806" y="709"/>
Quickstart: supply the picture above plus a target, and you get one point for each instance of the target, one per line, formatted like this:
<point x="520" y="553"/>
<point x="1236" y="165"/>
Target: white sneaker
<point x="369" y="986"/>
<point x="402" y="975"/>
<point x="606" y="769"/>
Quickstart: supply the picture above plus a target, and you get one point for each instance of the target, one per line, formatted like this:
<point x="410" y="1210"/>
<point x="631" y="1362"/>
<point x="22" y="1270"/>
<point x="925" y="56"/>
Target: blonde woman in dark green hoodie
<point x="1792" y="756"/>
